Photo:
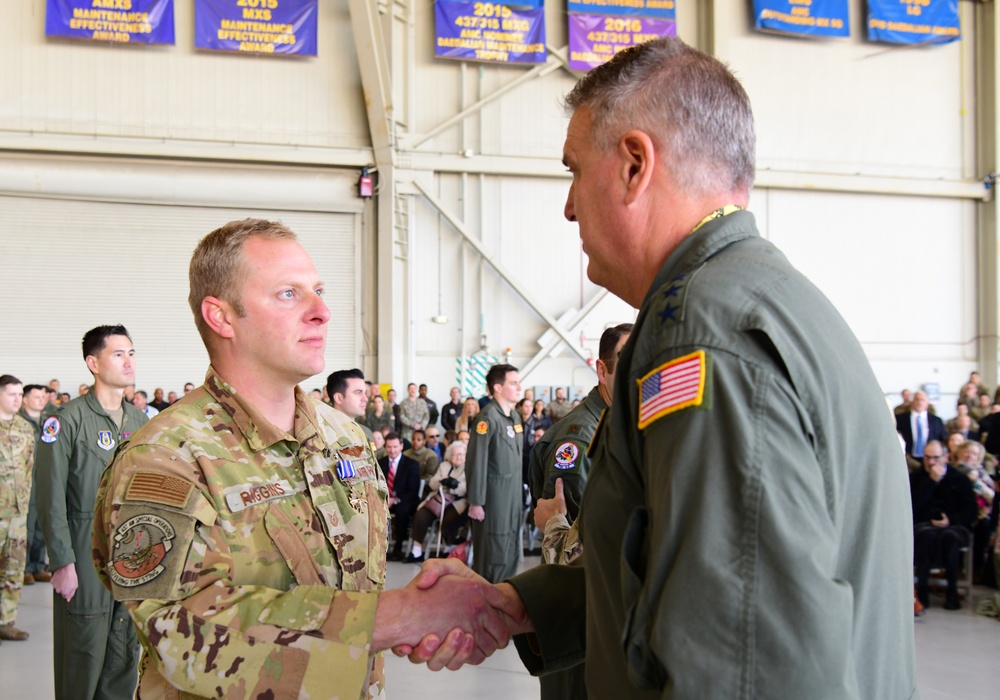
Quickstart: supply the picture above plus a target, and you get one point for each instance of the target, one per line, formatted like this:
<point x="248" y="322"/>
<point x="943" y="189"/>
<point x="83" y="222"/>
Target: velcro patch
<point x="672" y="386"/>
<point x="50" y="429"/>
<point x="482" y="427"/>
<point x="245" y="495"/>
<point x="159" y="488"/>
<point x="141" y="546"/>
<point x="355" y="451"/>
<point x="566" y="455"/>
<point x="518" y="428"/>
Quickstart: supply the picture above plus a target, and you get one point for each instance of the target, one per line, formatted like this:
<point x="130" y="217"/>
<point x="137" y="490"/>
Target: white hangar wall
<point x="867" y="179"/>
<point x="868" y="162"/>
<point x="115" y="160"/>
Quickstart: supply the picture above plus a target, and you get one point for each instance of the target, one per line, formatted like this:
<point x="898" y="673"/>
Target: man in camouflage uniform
<point x="425" y="456"/>
<point x="33" y="410"/>
<point x="493" y="471"/>
<point x="348" y="394"/>
<point x="94" y="645"/>
<point x="245" y="529"/>
<point x="17" y="453"/>
<point x="413" y="413"/>
<point x="561" y="453"/>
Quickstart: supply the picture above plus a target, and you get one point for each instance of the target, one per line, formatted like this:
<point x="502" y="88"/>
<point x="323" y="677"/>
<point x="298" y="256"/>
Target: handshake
<point x="448" y="616"/>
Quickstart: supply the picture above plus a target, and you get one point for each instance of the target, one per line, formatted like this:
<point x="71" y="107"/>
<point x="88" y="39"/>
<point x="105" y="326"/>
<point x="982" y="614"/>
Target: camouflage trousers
<point x="13" y="548"/>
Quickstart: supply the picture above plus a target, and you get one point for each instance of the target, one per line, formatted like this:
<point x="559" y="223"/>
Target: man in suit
<point x="402" y="474"/>
<point x="918" y="426"/>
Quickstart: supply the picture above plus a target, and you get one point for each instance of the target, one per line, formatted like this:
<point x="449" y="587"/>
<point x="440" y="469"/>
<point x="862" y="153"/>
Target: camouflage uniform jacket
<point x="413" y="412"/>
<point x="561" y="541"/>
<point x="428" y="460"/>
<point x="17" y="456"/>
<point x="250" y="559"/>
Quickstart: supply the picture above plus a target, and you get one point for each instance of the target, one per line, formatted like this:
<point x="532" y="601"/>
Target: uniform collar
<point x="707" y="240"/>
<point x="259" y="432"/>
<point x="595" y="402"/>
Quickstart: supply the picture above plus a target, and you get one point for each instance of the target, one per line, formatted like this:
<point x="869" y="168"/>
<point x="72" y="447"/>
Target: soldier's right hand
<point x="65" y="582"/>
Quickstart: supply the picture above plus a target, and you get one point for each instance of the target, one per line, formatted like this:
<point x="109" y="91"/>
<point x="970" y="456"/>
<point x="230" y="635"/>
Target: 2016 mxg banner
<point x="282" y="27"/>
<point x="662" y="9"/>
<point x="490" y="32"/>
<point x="118" y="21"/>
<point x="913" y="21"/>
<point x="595" y="39"/>
<point x="814" y="18"/>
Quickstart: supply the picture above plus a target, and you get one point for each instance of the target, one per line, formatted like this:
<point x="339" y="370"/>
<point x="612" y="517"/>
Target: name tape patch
<point x="247" y="495"/>
<point x="672" y="386"/>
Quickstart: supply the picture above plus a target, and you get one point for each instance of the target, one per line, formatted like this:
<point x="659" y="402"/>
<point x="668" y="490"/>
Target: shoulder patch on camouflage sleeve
<point x="148" y="550"/>
<point x="154" y="487"/>
<point x="674" y="385"/>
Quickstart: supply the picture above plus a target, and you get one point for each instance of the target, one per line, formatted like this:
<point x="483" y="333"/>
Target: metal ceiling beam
<point x="550" y="347"/>
<point x="500" y="270"/>
<point x="554" y="62"/>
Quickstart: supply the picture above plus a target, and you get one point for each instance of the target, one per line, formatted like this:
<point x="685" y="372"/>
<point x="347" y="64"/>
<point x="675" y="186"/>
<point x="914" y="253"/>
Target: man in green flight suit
<point x="746" y="523"/>
<point x="493" y="473"/>
<point x="561" y="453"/>
<point x="94" y="644"/>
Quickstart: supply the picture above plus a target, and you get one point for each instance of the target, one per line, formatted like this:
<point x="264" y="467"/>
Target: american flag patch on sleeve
<point x="672" y="386"/>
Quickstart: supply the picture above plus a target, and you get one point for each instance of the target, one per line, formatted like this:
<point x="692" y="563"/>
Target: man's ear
<point x="91" y="364"/>
<point x="218" y="315"/>
<point x="638" y="162"/>
<point x="602" y="371"/>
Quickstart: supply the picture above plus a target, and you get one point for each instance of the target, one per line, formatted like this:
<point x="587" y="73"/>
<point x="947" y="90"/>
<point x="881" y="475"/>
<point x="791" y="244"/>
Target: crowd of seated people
<point x="953" y="478"/>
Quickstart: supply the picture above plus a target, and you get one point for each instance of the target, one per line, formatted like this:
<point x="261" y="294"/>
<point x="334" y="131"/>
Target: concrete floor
<point x="957" y="657"/>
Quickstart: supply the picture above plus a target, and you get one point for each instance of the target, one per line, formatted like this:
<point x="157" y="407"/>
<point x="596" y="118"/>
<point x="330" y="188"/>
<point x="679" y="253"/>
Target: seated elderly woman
<point x="450" y="479"/>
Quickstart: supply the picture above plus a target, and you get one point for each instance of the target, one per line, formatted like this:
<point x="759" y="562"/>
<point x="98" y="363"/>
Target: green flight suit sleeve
<point x="555" y="598"/>
<point x="567" y="459"/>
<point x="52" y="471"/>
<point x="477" y="462"/>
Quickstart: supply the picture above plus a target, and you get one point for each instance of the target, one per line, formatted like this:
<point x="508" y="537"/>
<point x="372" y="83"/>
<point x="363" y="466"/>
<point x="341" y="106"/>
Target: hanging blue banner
<point x="489" y="32"/>
<point x="281" y="27"/>
<point x="595" y="39"/>
<point x="662" y="9"/>
<point x="118" y="21"/>
<point x="813" y="18"/>
<point x="913" y="21"/>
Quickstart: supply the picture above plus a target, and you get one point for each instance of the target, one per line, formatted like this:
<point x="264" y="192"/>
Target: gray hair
<point x="688" y="102"/>
<point x="454" y="447"/>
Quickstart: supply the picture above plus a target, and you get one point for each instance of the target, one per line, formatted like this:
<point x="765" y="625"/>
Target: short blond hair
<point x="217" y="268"/>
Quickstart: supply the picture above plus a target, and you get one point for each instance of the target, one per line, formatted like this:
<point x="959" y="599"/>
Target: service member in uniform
<point x="413" y="413"/>
<point x="746" y="523"/>
<point x="561" y="453"/>
<point x="349" y="394"/>
<point x="493" y="472"/>
<point x="94" y="646"/>
<point x="557" y="471"/>
<point x="33" y="410"/>
<point x="245" y="529"/>
<point x="17" y="457"/>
